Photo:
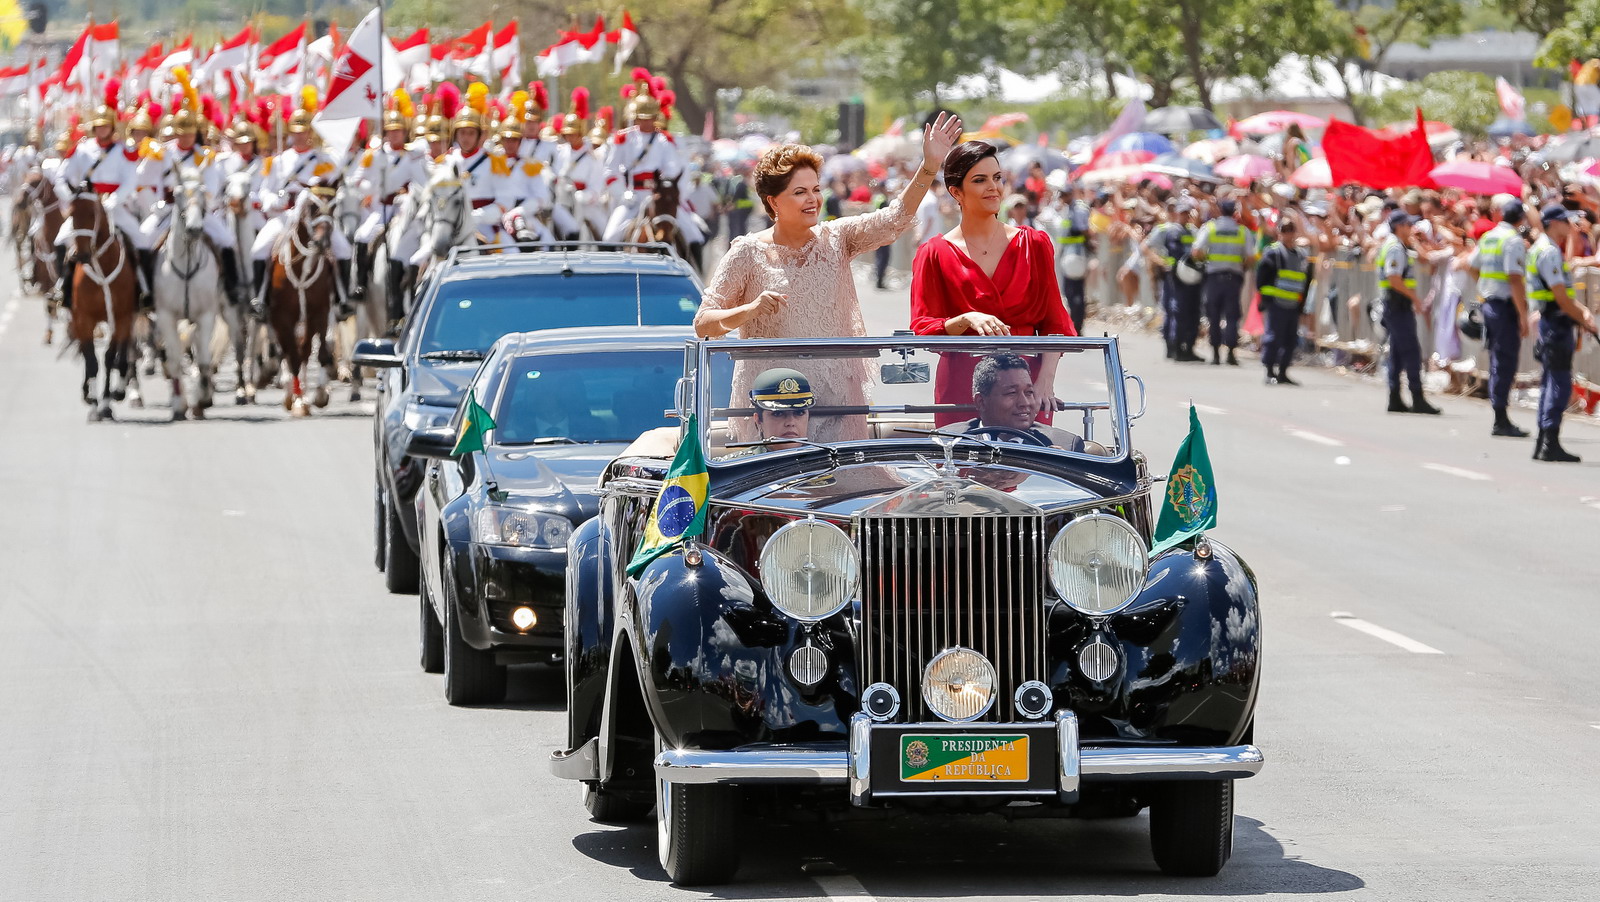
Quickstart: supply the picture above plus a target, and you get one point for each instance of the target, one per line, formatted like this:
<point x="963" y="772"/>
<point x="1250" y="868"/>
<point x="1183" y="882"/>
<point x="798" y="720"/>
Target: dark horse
<point x="36" y="255"/>
<point x="657" y="221"/>
<point x="105" y="289"/>
<point x="300" y="293"/>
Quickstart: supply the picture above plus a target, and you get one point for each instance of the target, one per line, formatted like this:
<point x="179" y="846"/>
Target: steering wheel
<point x="1009" y="435"/>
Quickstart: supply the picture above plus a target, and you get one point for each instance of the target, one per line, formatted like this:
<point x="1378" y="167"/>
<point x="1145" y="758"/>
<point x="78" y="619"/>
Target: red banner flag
<point x="1362" y="156"/>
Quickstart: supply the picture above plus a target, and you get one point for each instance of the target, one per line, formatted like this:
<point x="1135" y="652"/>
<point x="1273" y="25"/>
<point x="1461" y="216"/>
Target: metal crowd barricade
<point x="1586" y="363"/>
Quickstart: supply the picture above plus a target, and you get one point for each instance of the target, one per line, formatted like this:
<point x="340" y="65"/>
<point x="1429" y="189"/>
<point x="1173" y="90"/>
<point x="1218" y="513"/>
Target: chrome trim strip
<point x="1067" y="753"/>
<point x="803" y="765"/>
<point x="860" y="759"/>
<point x="582" y="763"/>
<point x="796" y="513"/>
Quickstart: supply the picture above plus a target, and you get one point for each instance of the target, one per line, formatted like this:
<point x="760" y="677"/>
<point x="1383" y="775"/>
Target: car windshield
<point x="469" y="314"/>
<point x="998" y="391"/>
<point x="609" y="396"/>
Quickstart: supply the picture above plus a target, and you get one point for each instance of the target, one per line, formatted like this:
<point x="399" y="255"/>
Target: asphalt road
<point x="205" y="692"/>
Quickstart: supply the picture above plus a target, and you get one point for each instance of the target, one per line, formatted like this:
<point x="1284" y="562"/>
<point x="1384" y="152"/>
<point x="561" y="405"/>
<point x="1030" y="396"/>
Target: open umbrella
<point x="1477" y="177"/>
<point x="1314" y="174"/>
<point x="1156" y="144"/>
<point x="1016" y="160"/>
<point x="1278" y="120"/>
<point x="1245" y="168"/>
<point x="1121" y="158"/>
<point x="1505" y="128"/>
<point x="1212" y="149"/>
<point x="1578" y="147"/>
<point x="1175" y="120"/>
<point x="1181" y="166"/>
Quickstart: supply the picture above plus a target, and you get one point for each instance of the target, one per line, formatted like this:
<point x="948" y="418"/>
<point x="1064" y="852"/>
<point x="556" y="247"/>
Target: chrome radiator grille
<point x="930" y="583"/>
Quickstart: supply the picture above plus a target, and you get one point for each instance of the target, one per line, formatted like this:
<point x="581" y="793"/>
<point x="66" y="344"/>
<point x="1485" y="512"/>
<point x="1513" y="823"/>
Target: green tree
<point x="918" y="49"/>
<point x="1466" y="100"/>
<point x="1575" y="38"/>
<point x="1538" y="16"/>
<point x="1359" y="48"/>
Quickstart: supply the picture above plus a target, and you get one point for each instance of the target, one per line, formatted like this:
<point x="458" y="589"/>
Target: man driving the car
<point x="1008" y="405"/>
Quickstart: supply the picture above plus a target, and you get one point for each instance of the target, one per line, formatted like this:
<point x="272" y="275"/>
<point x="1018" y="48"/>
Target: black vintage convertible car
<point x="930" y="597"/>
<point x="494" y="521"/>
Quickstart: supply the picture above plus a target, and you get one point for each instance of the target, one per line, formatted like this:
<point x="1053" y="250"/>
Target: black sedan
<point x="494" y="522"/>
<point x="462" y="308"/>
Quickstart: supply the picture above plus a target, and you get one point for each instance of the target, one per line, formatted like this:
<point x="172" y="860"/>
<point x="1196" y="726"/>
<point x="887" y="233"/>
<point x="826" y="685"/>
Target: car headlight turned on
<point x="958" y="685"/>
<point x="809" y="570"/>
<point x="518" y="527"/>
<point x="1098" y="564"/>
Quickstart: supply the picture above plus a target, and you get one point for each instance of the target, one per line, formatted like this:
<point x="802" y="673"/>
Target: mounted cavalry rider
<point x="537" y="142"/>
<point x="641" y="157"/>
<point x="484" y="174"/>
<point x="167" y="161"/>
<point x="245" y="139"/>
<point x="286" y="176"/>
<point x="580" y="178"/>
<point x="528" y="188"/>
<point x="386" y="174"/>
<point x="109" y="168"/>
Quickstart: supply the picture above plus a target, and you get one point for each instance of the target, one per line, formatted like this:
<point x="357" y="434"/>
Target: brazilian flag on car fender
<point x="1189" y="504"/>
<point x="680" y="508"/>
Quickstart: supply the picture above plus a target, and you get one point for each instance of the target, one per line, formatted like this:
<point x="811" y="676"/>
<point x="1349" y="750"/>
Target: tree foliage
<point x="1466" y="100"/>
<point x="1577" y="37"/>
<point x="917" y="49"/>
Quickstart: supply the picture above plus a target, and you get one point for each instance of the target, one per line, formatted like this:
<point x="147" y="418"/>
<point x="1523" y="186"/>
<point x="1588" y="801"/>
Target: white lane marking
<point x="1392" y="508"/>
<point x="1204" y="408"/>
<point x="1315" y="437"/>
<point x="1387" y="635"/>
<point x="1590" y="502"/>
<point x="1448" y="470"/>
<point x="835" y="884"/>
<point x="1595" y="725"/>
<point x="1341" y="461"/>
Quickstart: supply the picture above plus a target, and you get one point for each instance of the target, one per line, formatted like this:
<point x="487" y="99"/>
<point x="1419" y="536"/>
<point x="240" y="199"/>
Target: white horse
<point x="447" y="217"/>
<point x="188" y="288"/>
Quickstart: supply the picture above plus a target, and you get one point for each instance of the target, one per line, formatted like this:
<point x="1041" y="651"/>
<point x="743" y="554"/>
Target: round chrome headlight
<point x="1098" y="564"/>
<point x="809" y="570"/>
<point x="958" y="685"/>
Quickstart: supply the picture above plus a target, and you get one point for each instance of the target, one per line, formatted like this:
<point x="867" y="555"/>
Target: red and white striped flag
<point x="1511" y="102"/>
<point x="354" y="89"/>
<point x="506" y="57"/>
<point x="93" y="57"/>
<point x="278" y="64"/>
<point x="627" y="40"/>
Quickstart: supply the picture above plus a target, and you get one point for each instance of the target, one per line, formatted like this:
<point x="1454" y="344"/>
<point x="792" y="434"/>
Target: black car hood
<point x="441" y="382"/>
<point x="848" y="489"/>
<point x="556" y="478"/>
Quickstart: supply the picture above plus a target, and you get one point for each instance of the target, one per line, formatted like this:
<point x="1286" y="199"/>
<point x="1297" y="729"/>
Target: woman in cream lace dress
<point x="793" y="280"/>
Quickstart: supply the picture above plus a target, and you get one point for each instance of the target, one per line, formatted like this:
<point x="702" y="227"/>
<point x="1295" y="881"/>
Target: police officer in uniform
<point x="1498" y="262"/>
<point x="1225" y="247"/>
<point x="1284" y="278"/>
<point x="1400" y="303"/>
<point x="1073" y="251"/>
<point x="1549" y="286"/>
<point x="1171" y="242"/>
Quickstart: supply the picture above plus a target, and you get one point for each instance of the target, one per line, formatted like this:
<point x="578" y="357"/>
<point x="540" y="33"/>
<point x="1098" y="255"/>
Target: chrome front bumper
<point x="828" y="765"/>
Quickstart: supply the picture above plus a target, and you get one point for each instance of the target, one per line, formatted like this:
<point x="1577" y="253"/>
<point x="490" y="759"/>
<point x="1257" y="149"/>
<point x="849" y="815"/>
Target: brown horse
<point x="37" y="253"/>
<point x="105" y="289"/>
<point x="300" y="293"/>
<point x="657" y="221"/>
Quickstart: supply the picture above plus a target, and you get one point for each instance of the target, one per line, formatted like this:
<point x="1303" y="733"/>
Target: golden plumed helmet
<point x="602" y="126"/>
<point x="400" y="112"/>
<point x="106" y="114"/>
<point x="641" y="96"/>
<point x="577" y="121"/>
<point x="475" y="112"/>
<point x="141" y="121"/>
<point x="245" y="130"/>
<point x="186" y="118"/>
<point x="515" y="125"/>
<point x="300" y="122"/>
<point x="64" y="143"/>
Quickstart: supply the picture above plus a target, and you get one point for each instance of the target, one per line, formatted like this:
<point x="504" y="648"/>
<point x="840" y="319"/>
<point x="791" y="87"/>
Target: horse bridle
<point x="91" y="266"/>
<point x="313" y="254"/>
<point x="188" y="193"/>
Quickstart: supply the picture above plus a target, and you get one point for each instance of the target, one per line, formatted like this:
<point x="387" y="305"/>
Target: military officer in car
<point x="783" y="400"/>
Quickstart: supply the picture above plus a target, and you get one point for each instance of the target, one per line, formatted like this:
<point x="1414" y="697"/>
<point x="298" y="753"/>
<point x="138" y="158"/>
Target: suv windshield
<point x="470" y="314"/>
<point x="610" y="396"/>
<point x="1058" y="394"/>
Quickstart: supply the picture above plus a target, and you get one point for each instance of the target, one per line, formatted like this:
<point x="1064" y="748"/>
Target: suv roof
<point x="577" y="259"/>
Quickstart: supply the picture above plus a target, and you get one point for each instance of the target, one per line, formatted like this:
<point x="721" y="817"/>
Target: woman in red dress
<point x="985" y="277"/>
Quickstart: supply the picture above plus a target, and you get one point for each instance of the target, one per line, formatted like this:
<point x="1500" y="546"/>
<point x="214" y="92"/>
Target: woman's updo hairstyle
<point x="961" y="158"/>
<point x="776" y="167"/>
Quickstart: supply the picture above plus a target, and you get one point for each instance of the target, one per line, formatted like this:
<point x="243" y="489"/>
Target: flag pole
<point x="377" y="128"/>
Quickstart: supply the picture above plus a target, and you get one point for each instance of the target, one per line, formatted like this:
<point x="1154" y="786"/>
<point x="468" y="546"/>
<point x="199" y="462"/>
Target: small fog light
<point x="524" y="618"/>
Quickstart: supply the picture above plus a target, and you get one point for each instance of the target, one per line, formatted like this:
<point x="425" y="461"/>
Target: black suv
<point x="464" y="306"/>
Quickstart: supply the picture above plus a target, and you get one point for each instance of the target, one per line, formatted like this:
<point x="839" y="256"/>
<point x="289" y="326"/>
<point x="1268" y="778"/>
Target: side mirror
<point x="435" y="443"/>
<point x="903" y="373"/>
<point x="378" y="353"/>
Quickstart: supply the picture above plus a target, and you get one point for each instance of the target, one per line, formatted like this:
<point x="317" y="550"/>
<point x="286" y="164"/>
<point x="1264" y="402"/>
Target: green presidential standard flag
<point x="1189" y="505"/>
<point x="680" y="508"/>
<point x="474" y="426"/>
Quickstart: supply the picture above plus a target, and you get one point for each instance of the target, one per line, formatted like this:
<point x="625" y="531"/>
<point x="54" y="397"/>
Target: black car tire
<point x="399" y="561"/>
<point x="431" y="633"/>
<point x="380" y="520"/>
<point x="1191" y="827"/>
<point x="697" y="832"/>
<point x="609" y="807"/>
<point x="471" y="676"/>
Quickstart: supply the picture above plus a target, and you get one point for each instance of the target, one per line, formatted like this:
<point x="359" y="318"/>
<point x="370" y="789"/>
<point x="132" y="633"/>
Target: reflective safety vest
<point x="1391" y="246"/>
<point x="1538" y="289"/>
<point x="1289" y="284"/>
<point x="1225" y="246"/>
<point x="1169" y="249"/>
<point x="1492" y="276"/>
<point x="1075" y="244"/>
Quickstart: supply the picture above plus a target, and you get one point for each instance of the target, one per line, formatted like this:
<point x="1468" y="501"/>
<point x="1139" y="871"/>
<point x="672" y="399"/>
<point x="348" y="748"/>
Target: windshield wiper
<point x="453" y="355"/>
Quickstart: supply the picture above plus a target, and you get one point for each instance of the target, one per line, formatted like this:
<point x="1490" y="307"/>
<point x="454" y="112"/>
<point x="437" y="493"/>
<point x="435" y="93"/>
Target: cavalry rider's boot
<point x="64" y="289"/>
<point x="1503" y="426"/>
<point x="1395" y="404"/>
<point x="1283" y="376"/>
<point x="69" y="268"/>
<point x="230" y="273"/>
<point x="346" y="309"/>
<point x="358" y="289"/>
<point x="258" y="303"/>
<point x="1419" y="404"/>
<point x="395" y="295"/>
<point x="147" y="266"/>
<point x="1553" y="451"/>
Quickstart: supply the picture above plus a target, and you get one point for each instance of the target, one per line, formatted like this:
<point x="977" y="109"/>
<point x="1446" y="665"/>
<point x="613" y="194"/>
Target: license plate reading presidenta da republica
<point x="964" y="758"/>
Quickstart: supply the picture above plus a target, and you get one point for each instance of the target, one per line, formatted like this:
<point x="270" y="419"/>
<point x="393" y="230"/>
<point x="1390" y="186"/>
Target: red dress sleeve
<point x="930" y="300"/>
<point x="1056" y="321"/>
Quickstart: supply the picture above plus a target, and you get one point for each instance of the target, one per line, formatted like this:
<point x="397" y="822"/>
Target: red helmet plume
<point x="580" y="102"/>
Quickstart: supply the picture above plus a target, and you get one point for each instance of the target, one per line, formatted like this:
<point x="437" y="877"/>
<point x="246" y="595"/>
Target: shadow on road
<point x="918" y="856"/>
<point x="534" y="687"/>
